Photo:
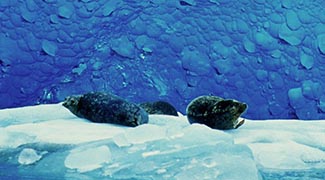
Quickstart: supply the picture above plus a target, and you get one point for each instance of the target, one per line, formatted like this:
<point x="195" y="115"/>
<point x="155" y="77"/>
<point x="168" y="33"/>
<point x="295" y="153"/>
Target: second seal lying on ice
<point x="215" y="112"/>
<point x="106" y="108"/>
<point x="159" y="107"/>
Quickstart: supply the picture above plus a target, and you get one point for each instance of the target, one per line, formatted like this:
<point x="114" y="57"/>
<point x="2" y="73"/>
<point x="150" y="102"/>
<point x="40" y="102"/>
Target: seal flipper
<point x="240" y="123"/>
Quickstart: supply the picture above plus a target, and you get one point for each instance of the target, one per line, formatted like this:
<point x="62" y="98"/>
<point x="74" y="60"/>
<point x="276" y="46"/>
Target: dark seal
<point x="106" y="108"/>
<point x="215" y="112"/>
<point x="159" y="107"/>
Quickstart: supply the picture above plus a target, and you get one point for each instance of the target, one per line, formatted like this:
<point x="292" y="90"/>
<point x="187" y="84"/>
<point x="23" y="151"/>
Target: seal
<point x="159" y="107"/>
<point x="103" y="107"/>
<point x="216" y="112"/>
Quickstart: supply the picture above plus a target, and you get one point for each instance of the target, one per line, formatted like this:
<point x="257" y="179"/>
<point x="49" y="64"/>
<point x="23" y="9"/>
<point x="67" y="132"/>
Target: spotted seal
<point x="106" y="108"/>
<point x="215" y="112"/>
<point x="159" y="107"/>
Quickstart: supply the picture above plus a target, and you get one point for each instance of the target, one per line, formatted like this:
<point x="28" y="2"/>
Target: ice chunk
<point x="321" y="43"/>
<point x="110" y="7"/>
<point x="66" y="11"/>
<point x="293" y="21"/>
<point x="276" y="18"/>
<point x="49" y="47"/>
<point x="249" y="46"/>
<point x="16" y="20"/>
<point x="276" y="80"/>
<point x="219" y="48"/>
<point x="28" y="16"/>
<point x="307" y="61"/>
<point x="311" y="90"/>
<point x="265" y="40"/>
<point x="305" y="17"/>
<point x="123" y="46"/>
<point x="292" y="37"/>
<point x="276" y="53"/>
<point x="28" y="156"/>
<point x="145" y="43"/>
<point x="195" y="61"/>
<point x="224" y="67"/>
<point x="64" y="36"/>
<point x="78" y="70"/>
<point x="261" y="75"/>
<point x="54" y="19"/>
<point x="88" y="159"/>
<point x="87" y="43"/>
<point x="242" y="26"/>
<point x="275" y="109"/>
<point x="296" y="97"/>
<point x="288" y="3"/>
<point x="31" y="5"/>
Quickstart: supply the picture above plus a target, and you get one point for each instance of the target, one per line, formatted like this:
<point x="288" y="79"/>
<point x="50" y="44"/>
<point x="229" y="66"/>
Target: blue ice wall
<point x="269" y="54"/>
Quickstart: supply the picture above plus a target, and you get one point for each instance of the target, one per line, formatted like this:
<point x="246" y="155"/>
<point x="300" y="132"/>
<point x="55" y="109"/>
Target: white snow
<point x="145" y="133"/>
<point x="166" y="148"/>
<point x="71" y="131"/>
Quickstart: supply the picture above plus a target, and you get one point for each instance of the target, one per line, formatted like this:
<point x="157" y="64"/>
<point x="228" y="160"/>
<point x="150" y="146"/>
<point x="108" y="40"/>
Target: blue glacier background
<point x="269" y="54"/>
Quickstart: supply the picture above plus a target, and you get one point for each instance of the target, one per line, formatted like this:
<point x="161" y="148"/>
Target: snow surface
<point x="48" y="142"/>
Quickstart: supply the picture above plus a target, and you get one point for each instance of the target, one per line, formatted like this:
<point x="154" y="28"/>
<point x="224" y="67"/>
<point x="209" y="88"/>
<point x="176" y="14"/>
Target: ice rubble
<point x="49" y="140"/>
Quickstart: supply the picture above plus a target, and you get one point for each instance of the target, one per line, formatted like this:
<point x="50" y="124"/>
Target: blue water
<point x="312" y="174"/>
<point x="8" y="172"/>
<point x="268" y="54"/>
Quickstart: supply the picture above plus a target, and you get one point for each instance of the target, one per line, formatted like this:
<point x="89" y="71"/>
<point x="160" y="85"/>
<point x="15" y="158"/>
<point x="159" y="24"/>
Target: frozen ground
<point x="48" y="142"/>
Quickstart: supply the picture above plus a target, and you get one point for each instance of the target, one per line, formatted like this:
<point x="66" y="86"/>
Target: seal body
<point x="106" y="108"/>
<point x="159" y="107"/>
<point x="215" y="112"/>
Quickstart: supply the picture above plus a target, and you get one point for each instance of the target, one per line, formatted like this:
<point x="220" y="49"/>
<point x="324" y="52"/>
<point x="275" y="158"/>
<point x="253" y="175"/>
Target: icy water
<point x="315" y="174"/>
<point x="11" y="172"/>
<point x="8" y="172"/>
